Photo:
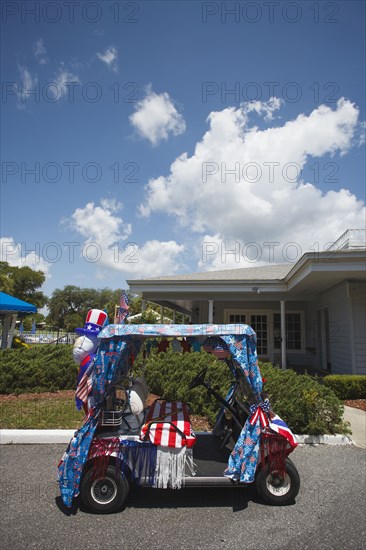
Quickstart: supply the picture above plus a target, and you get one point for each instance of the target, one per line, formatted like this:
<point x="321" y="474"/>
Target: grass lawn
<point x="40" y="413"/>
<point x="55" y="411"/>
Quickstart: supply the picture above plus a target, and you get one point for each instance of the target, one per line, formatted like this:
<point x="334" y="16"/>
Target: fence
<point x="46" y="337"/>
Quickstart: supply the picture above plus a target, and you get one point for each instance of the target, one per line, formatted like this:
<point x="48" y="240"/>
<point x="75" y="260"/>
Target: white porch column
<point x="210" y="311"/>
<point x="283" y="334"/>
<point x="143" y="306"/>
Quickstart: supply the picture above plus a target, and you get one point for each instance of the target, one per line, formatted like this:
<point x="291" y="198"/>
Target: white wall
<point x="340" y="329"/>
<point x="357" y="296"/>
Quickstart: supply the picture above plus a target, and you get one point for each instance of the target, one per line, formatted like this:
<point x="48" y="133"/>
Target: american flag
<point x="123" y="307"/>
<point x="84" y="387"/>
<point x="279" y="426"/>
<point x="168" y="424"/>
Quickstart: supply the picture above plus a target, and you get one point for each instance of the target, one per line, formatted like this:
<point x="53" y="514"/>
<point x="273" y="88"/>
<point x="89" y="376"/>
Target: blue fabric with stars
<point x="243" y="460"/>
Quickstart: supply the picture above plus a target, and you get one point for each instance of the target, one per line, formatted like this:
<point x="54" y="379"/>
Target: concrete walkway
<point x="357" y="419"/>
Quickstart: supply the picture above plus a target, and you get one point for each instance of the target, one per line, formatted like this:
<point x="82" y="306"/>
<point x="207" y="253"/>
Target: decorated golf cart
<point x="123" y="442"/>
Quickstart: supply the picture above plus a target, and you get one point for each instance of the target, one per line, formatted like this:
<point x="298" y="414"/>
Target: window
<point x="260" y="326"/>
<point x="293" y="331"/>
<point x="237" y="318"/>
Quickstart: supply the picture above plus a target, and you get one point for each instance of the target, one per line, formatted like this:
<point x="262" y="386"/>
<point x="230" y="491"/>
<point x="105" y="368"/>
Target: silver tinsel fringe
<point x="170" y="466"/>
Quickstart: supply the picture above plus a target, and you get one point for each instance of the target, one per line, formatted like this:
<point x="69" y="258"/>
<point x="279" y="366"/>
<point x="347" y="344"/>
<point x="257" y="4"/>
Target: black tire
<point x="104" y="495"/>
<point x="277" y="491"/>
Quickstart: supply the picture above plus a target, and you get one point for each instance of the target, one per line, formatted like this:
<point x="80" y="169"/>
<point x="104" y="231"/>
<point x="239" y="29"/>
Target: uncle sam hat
<point x="95" y="321"/>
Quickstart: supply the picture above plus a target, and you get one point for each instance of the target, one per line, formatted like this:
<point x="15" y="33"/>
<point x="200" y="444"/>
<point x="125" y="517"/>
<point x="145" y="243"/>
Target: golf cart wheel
<point x="104" y="495"/>
<point x="278" y="490"/>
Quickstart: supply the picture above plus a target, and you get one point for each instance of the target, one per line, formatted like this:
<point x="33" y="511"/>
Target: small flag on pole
<point x="123" y="307"/>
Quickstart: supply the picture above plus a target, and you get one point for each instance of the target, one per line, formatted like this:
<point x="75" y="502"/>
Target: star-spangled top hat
<point x="95" y="321"/>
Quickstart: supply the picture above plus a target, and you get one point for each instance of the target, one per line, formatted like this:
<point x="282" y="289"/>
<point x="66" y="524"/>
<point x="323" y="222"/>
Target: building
<point x="311" y="313"/>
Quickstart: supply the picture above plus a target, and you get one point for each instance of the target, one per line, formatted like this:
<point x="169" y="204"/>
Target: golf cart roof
<point x="149" y="331"/>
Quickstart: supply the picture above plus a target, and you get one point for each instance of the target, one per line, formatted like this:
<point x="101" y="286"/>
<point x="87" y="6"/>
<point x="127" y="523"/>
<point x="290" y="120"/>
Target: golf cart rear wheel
<point x="276" y="489"/>
<point x="104" y="495"/>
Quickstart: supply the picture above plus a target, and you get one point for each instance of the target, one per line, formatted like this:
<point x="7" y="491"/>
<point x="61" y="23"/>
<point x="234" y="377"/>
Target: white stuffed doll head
<point x="84" y="346"/>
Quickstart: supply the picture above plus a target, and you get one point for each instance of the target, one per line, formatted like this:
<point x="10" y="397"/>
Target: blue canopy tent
<point x="9" y="309"/>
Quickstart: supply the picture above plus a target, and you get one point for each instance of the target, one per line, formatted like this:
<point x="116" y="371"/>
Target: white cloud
<point x="100" y="223"/>
<point x="19" y="255"/>
<point x="264" y="196"/>
<point x="215" y="253"/>
<point x="154" y="258"/>
<point x="106" y="233"/>
<point x="110" y="58"/>
<point x="156" y="117"/>
<point x="61" y="82"/>
<point x="266" y="108"/>
<point x="27" y="87"/>
<point x="40" y="52"/>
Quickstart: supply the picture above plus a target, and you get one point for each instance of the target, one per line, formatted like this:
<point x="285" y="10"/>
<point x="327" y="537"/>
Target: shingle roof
<point x="262" y="273"/>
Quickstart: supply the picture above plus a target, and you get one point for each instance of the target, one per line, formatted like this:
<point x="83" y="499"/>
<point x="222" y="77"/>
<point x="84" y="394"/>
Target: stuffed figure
<point x="84" y="352"/>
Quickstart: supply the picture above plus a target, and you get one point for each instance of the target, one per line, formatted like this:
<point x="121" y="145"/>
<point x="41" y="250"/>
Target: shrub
<point x="40" y="368"/>
<point x="169" y="375"/>
<point x="347" y="386"/>
<point x="305" y="404"/>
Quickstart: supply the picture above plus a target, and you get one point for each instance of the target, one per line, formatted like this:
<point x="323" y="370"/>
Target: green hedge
<point x="347" y="386"/>
<point x="169" y="375"/>
<point x="40" y="368"/>
<point x="306" y="405"/>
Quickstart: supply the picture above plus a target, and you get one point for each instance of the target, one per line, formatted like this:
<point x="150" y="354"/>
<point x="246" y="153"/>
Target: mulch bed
<point x="65" y="394"/>
<point x="356" y="404"/>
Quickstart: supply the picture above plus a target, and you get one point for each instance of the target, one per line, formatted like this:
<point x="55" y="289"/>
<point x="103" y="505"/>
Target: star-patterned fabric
<point x="244" y="457"/>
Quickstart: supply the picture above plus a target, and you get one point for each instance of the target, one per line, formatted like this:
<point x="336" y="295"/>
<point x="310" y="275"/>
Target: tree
<point x="69" y="306"/>
<point x="23" y="283"/>
<point x="27" y="321"/>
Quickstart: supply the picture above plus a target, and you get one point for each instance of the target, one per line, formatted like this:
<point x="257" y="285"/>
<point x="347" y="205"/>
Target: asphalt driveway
<point x="328" y="514"/>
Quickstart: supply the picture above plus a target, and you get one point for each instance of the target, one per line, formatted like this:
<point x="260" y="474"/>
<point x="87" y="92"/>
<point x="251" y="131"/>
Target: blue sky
<point x="165" y="134"/>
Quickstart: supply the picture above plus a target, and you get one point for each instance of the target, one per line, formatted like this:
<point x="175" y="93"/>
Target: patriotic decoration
<point x="96" y="319"/>
<point x="228" y="333"/>
<point x="84" y="388"/>
<point x="135" y="458"/>
<point x="243" y="460"/>
<point x="279" y="426"/>
<point x="259" y="412"/>
<point x="166" y="437"/>
<point x="123" y="307"/>
<point x="72" y="463"/>
<point x="84" y="353"/>
<point x="167" y="424"/>
<point x="171" y="464"/>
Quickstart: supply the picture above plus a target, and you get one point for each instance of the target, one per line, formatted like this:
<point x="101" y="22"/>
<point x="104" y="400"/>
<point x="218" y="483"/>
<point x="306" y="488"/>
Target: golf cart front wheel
<point x="104" y="495"/>
<point x="278" y="489"/>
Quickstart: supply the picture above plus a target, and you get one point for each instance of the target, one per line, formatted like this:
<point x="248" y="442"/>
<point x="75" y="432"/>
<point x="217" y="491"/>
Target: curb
<point x="35" y="437"/>
<point x="46" y="437"/>
<point x="337" y="439"/>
